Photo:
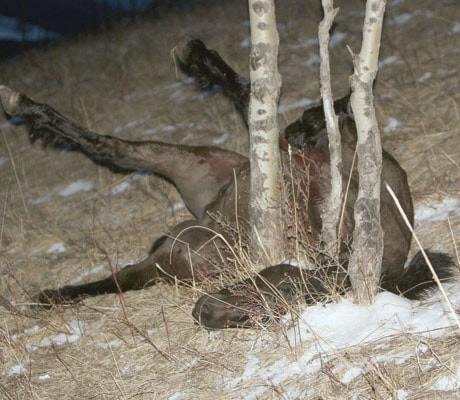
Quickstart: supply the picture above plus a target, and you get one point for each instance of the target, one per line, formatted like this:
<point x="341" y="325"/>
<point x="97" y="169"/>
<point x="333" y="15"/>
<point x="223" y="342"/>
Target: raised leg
<point x="198" y="172"/>
<point x="208" y="69"/>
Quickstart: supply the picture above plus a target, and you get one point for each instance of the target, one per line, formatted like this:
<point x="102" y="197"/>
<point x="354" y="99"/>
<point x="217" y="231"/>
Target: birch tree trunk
<point x="331" y="213"/>
<point x="367" y="250"/>
<point x="265" y="205"/>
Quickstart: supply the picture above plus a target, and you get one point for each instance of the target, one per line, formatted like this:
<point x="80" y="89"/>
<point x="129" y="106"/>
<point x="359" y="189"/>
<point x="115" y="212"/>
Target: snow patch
<point x="302" y="264"/>
<point x="177" y="94"/>
<point x="346" y="324"/>
<point x="441" y="211"/>
<point x="388" y="60"/>
<point x="169" y="128"/>
<point x="221" y="139"/>
<point x="186" y="138"/>
<point x="351" y="375"/>
<point x="448" y="382"/>
<point x="76" y="187"/>
<point x="74" y="332"/>
<point x="177" y="206"/>
<point x="401" y="394"/>
<point x="396" y="3"/>
<point x="56" y="248"/>
<point x="110" y="345"/>
<point x="336" y="38"/>
<point x="325" y="329"/>
<point x="3" y="160"/>
<point x="306" y="44"/>
<point x="129" y="125"/>
<point x="406" y="17"/>
<point x="17" y="369"/>
<point x="313" y="59"/>
<point x="120" y="188"/>
<point x="40" y="200"/>
<point x="246" y="42"/>
<point x="402" y="19"/>
<point x="424" y="77"/>
<point x="30" y="331"/>
<point x="302" y="103"/>
<point x="392" y="124"/>
<point x="150" y="132"/>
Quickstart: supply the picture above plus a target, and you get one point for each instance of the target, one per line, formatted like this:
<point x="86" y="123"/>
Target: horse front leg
<point x="198" y="172"/>
<point x="257" y="301"/>
<point x="209" y="69"/>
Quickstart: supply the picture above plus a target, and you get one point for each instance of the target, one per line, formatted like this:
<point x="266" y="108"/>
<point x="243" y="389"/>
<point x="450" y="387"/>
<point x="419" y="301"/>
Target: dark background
<point x="28" y="23"/>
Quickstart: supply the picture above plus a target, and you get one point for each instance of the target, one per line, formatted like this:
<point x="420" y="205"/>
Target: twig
<point x="4" y="214"/>
<point x="331" y="214"/>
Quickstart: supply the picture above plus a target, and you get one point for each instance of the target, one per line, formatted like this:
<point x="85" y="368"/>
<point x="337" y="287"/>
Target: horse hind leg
<point x="198" y="172"/>
<point x="187" y="254"/>
<point x="131" y="277"/>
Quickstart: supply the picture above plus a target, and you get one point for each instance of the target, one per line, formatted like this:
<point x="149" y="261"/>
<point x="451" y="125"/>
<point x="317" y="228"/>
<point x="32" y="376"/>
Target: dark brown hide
<point x="267" y="296"/>
<point x="210" y="179"/>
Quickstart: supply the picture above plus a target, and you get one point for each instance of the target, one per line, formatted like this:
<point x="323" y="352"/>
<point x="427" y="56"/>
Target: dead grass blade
<point x="427" y="260"/>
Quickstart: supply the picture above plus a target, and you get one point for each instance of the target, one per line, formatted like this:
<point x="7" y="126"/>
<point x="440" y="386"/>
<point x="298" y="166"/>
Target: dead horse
<point x="211" y="180"/>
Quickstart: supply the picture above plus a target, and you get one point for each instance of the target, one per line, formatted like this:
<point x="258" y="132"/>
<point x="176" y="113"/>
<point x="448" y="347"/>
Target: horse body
<point x="214" y="181"/>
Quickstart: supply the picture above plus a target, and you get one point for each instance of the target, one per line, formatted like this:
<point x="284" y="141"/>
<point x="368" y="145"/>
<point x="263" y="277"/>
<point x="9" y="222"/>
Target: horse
<point x="214" y="184"/>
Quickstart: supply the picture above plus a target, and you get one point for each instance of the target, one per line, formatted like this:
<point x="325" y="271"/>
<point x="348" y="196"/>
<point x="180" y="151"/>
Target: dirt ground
<point x="123" y="82"/>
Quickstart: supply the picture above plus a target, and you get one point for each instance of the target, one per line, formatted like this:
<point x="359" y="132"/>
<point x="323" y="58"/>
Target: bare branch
<point x="331" y="214"/>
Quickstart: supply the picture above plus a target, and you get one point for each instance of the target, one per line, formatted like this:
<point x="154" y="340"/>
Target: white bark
<point x="265" y="206"/>
<point x="331" y="213"/>
<point x="367" y="250"/>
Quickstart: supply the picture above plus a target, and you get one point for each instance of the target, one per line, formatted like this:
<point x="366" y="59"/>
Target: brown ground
<point x="144" y="345"/>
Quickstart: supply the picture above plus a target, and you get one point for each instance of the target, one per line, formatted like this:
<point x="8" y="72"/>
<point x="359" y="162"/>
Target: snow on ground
<point x="388" y="60"/>
<point x="302" y="103"/>
<point x="222" y="139"/>
<point x="448" y="382"/>
<point x="336" y="38"/>
<point x="120" y="188"/>
<point x="56" y="248"/>
<point x="75" y="187"/>
<point x="323" y="330"/>
<point x="73" y="332"/>
<point x="180" y="205"/>
<point x="392" y="124"/>
<point x="40" y="200"/>
<point x="441" y="211"/>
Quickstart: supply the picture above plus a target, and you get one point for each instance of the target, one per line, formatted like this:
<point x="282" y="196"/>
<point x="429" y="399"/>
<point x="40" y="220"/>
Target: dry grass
<point x="144" y="345"/>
